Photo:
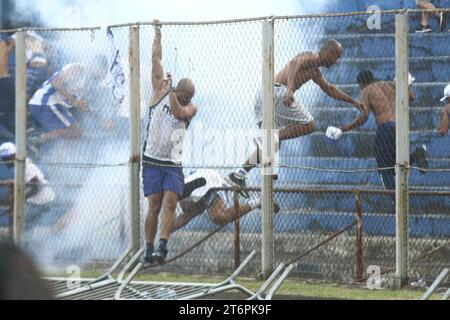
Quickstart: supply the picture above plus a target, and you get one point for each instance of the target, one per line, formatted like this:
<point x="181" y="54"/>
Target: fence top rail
<point x="49" y="29"/>
<point x="273" y="17"/>
<point x="329" y="190"/>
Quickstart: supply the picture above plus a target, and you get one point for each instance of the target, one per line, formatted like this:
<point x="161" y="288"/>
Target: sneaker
<point x="159" y="256"/>
<point x="191" y="186"/>
<point x="148" y="257"/>
<point x="237" y="180"/>
<point x="420" y="156"/>
<point x="423" y="29"/>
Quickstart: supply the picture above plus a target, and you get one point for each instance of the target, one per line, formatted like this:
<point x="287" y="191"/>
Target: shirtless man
<point x="379" y="96"/>
<point x="292" y="118"/>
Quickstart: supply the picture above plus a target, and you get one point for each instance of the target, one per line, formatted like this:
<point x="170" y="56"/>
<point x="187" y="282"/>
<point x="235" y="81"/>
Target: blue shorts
<point x="157" y="179"/>
<point x="52" y="117"/>
<point x="385" y="153"/>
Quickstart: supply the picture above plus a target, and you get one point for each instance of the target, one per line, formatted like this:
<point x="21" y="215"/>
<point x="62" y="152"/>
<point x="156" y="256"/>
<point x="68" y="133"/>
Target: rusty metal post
<point x="237" y="232"/>
<point x="359" y="237"/>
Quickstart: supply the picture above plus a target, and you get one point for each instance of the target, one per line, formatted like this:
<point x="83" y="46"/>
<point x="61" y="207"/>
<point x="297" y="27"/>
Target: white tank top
<point x="165" y="133"/>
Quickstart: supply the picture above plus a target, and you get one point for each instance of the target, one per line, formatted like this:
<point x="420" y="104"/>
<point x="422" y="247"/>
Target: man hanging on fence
<point x="379" y="96"/>
<point x="292" y="118"/>
<point x="445" y="112"/>
<point x="162" y="173"/>
<point x="204" y="196"/>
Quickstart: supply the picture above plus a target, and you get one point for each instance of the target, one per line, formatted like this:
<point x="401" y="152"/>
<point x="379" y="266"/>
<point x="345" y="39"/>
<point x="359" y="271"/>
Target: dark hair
<point x="365" y="78"/>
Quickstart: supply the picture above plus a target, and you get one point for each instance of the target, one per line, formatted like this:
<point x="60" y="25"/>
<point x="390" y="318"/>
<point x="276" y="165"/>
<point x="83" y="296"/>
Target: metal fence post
<point x="21" y="138"/>
<point x="135" y="105"/>
<point x="267" y="148"/>
<point x="402" y="146"/>
<point x="359" y="237"/>
<point x="237" y="232"/>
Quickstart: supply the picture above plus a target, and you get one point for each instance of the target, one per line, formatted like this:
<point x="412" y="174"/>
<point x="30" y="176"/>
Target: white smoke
<point x="76" y="13"/>
<point x="219" y="69"/>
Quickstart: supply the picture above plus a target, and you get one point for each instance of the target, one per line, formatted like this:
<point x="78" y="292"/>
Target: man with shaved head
<point x="162" y="173"/>
<point x="292" y="119"/>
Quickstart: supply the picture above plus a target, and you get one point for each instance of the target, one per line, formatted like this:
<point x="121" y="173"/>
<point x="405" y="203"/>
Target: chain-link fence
<point x="429" y="198"/>
<point x="336" y="216"/>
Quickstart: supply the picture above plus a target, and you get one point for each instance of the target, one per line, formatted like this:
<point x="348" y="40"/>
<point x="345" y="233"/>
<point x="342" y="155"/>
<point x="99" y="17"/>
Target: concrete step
<point x="374" y="224"/>
<point x="427" y="94"/>
<point x="421" y="118"/>
<point x="382" y="45"/>
<point x="423" y="68"/>
<point x="352" y="172"/>
<point x="358" y="23"/>
<point x="359" y="145"/>
<point x="345" y="202"/>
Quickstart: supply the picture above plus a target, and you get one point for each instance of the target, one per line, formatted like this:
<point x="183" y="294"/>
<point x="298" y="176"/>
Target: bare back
<point x="302" y="68"/>
<point x="380" y="98"/>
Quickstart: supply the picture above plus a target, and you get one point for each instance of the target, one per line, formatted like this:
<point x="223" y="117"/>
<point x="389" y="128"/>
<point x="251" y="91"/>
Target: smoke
<point x="225" y="63"/>
<point x="76" y="13"/>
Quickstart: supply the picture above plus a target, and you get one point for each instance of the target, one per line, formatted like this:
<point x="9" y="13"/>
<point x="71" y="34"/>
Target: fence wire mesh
<point x="76" y="173"/>
<point x="224" y="61"/>
<point x="324" y="185"/>
<point x="429" y="200"/>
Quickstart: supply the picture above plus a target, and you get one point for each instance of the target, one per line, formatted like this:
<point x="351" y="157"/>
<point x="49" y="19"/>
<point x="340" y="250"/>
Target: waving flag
<point x="116" y="71"/>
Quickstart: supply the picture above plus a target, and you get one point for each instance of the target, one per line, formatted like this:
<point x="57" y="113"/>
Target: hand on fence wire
<point x="157" y="25"/>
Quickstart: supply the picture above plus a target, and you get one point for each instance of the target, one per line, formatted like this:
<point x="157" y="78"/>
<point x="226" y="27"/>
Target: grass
<point x="291" y="287"/>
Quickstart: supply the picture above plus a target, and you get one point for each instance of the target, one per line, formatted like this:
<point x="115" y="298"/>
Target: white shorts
<point x="284" y="116"/>
<point x="221" y="194"/>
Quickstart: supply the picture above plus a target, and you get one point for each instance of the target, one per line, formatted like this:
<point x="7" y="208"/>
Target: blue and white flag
<point x="116" y="71"/>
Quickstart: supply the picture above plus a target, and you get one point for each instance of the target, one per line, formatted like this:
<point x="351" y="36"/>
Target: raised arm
<point x="157" y="66"/>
